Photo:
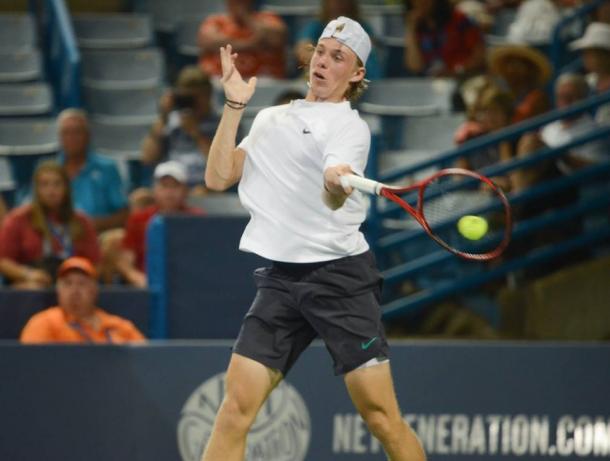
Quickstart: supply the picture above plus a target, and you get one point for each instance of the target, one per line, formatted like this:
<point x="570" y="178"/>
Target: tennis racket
<point x="463" y="211"/>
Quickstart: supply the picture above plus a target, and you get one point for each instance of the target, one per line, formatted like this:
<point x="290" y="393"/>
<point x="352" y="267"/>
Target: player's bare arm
<point x="226" y="161"/>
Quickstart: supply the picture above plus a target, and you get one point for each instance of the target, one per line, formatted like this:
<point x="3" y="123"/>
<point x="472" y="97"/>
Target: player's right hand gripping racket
<point x="463" y="211"/>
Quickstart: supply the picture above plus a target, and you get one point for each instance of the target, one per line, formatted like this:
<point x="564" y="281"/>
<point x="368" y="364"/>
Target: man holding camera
<point x="185" y="127"/>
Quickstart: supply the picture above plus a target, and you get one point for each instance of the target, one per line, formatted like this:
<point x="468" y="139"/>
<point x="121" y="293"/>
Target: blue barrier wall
<point x="203" y="282"/>
<point x="483" y="401"/>
<point x="17" y="306"/>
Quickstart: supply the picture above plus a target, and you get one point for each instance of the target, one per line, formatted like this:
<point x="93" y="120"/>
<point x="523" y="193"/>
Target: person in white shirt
<point x="569" y="89"/>
<point x="323" y="279"/>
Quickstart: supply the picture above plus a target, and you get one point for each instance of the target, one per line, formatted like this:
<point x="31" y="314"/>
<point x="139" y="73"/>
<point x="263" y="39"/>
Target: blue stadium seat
<point x="186" y="37"/>
<point x="292" y="8"/>
<point x="393" y="45"/>
<point x="422" y="138"/>
<point x="7" y="182"/>
<point x="408" y="96"/>
<point x="122" y="141"/>
<point x="167" y="14"/>
<point x="20" y="66"/>
<point x="17" y="99"/>
<point x="119" y="140"/>
<point x="138" y="105"/>
<point x="111" y="31"/>
<point x="17" y="32"/>
<point x="23" y="143"/>
<point x="28" y="136"/>
<point x="123" y="69"/>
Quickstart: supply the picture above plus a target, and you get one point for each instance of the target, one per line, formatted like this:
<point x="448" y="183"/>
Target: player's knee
<point x="237" y="415"/>
<point x="379" y="424"/>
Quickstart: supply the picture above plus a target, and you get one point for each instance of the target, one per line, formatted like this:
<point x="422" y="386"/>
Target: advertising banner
<point x="467" y="401"/>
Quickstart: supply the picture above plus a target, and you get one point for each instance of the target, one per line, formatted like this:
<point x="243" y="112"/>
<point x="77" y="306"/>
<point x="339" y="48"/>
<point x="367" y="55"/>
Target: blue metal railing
<point x="510" y="133"/>
<point x="63" y="59"/>
<point x="520" y="230"/>
<point x="388" y="243"/>
<point x="557" y="49"/>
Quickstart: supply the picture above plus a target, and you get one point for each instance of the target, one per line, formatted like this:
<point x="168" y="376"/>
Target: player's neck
<point x="311" y="97"/>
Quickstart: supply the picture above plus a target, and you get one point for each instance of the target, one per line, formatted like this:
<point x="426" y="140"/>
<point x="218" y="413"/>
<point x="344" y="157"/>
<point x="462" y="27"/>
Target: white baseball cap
<point x="597" y="35"/>
<point x="351" y="34"/>
<point x="172" y="169"/>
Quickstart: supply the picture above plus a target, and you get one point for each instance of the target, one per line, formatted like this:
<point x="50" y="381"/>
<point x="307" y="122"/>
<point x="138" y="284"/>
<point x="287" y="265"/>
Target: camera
<point x="184" y="100"/>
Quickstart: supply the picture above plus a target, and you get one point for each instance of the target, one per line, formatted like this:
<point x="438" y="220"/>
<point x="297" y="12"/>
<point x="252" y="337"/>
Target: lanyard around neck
<point x="62" y="234"/>
<point x="86" y="336"/>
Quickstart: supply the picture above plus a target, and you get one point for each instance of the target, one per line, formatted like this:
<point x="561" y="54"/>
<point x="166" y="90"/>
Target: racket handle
<point x="362" y="184"/>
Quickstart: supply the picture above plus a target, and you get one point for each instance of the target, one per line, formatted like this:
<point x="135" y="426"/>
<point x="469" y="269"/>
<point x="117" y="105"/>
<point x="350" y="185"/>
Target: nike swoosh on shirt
<point x="306" y="131"/>
<point x="365" y="345"/>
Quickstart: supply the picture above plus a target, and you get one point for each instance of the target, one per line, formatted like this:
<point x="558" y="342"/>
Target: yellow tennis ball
<point x="472" y="227"/>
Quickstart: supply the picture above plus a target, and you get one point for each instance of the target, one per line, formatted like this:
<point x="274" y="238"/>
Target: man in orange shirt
<point x="258" y="36"/>
<point x="77" y="319"/>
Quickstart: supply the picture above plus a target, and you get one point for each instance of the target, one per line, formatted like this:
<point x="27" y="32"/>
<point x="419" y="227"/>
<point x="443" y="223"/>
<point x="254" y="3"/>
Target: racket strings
<point x="473" y="220"/>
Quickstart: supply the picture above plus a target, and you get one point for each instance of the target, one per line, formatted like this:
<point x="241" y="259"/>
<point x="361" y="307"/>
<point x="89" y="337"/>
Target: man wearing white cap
<point x="595" y="48"/>
<point x="170" y="193"/>
<point x="323" y="281"/>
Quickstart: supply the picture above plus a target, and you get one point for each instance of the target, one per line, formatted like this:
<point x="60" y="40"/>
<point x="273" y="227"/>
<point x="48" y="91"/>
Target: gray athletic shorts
<point x="335" y="300"/>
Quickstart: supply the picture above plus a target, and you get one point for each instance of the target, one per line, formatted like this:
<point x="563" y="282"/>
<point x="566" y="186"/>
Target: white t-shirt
<point x="557" y="133"/>
<point x="287" y="150"/>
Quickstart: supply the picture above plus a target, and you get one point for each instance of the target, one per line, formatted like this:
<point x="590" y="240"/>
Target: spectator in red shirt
<point x="170" y="192"/>
<point x="35" y="238"/>
<point x="441" y="41"/>
<point x="258" y="37"/>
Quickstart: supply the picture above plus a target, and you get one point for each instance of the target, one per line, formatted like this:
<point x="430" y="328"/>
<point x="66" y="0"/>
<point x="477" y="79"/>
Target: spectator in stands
<point x="525" y="71"/>
<point x="170" y="193"/>
<point x="477" y="12"/>
<point x="442" y="41"/>
<point x="259" y="37"/>
<point x="569" y="89"/>
<point x="97" y="187"/>
<point x="534" y="22"/>
<point x="331" y="9"/>
<point x="185" y="127"/>
<point x="492" y="111"/>
<point x="595" y="49"/>
<point x="35" y="238"/>
<point x="76" y="319"/>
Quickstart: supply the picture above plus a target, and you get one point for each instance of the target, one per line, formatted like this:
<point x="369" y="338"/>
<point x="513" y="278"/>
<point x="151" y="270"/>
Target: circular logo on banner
<point x="281" y="431"/>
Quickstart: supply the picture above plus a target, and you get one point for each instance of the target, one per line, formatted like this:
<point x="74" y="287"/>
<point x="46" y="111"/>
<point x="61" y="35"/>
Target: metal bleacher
<point x="26" y="103"/>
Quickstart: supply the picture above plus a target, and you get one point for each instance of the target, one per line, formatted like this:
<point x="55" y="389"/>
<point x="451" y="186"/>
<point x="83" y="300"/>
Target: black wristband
<point x="236" y="103"/>
<point x="233" y="106"/>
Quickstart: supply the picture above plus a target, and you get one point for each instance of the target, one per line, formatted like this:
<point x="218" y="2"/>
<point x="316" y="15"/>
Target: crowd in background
<point x="79" y="206"/>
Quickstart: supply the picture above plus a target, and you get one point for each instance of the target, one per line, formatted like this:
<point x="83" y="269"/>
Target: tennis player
<point x="323" y="280"/>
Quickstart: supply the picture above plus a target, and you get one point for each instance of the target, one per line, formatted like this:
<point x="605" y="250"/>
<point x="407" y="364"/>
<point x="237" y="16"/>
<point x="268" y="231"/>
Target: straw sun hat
<point x="499" y="55"/>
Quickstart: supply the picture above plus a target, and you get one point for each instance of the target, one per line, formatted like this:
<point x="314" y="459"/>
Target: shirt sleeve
<point x="89" y="246"/>
<point x="10" y="238"/>
<point x="350" y="145"/>
<point x="36" y="331"/>
<point x="116" y="192"/>
<point x="131" y="233"/>
<point x="136" y="335"/>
